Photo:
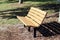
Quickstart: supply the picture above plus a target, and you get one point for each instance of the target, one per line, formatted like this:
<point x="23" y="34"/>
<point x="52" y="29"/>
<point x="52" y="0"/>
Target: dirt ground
<point x="18" y="32"/>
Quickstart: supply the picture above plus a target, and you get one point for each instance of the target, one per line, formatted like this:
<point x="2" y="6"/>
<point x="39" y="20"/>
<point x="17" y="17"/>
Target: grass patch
<point x="4" y="7"/>
<point x="7" y="6"/>
<point x="9" y="21"/>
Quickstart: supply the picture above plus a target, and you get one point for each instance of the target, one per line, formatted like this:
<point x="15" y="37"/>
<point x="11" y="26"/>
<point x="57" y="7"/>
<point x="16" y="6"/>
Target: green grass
<point x="9" y="21"/>
<point x="8" y="6"/>
<point x="36" y="3"/>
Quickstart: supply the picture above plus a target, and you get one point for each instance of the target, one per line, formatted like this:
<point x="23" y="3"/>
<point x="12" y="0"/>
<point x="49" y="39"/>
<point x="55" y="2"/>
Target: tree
<point x="58" y="1"/>
<point x="20" y="1"/>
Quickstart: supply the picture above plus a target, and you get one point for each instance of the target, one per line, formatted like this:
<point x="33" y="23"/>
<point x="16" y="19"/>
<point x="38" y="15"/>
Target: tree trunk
<point x="58" y="1"/>
<point x="20" y="1"/>
<point x="59" y="16"/>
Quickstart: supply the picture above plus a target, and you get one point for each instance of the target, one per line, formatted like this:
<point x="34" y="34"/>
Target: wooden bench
<point x="34" y="18"/>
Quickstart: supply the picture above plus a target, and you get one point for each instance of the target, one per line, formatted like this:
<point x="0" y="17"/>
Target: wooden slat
<point x="36" y="16"/>
<point x="36" y="24"/>
<point x="38" y="10"/>
<point x="27" y="21"/>
<point x="39" y="14"/>
<point x="35" y="19"/>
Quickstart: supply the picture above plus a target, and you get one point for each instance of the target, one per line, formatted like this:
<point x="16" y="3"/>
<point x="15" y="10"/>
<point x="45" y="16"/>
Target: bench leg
<point x="34" y="32"/>
<point x="24" y="26"/>
<point x="29" y="29"/>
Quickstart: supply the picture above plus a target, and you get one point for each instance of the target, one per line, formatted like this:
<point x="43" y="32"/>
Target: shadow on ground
<point x="14" y="12"/>
<point x="23" y="11"/>
<point x="54" y="7"/>
<point x="49" y="29"/>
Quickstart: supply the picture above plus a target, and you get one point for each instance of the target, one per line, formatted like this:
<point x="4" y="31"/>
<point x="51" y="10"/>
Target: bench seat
<point x="27" y="21"/>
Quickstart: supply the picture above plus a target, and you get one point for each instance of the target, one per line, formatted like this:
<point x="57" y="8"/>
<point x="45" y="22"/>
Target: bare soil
<point x="18" y="32"/>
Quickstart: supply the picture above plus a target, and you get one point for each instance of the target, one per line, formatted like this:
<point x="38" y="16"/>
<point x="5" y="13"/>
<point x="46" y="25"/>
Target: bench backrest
<point x="37" y="15"/>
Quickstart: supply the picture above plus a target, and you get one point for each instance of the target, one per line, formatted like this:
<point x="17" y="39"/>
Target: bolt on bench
<point x="33" y="19"/>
